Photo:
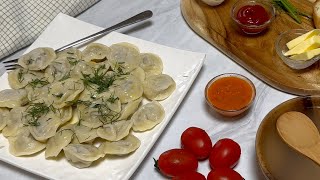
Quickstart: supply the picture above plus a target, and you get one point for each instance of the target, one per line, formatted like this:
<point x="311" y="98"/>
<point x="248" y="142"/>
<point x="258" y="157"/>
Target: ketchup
<point x="252" y="15"/>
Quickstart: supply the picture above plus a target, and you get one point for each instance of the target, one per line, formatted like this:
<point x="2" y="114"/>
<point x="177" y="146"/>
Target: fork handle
<point x="137" y="18"/>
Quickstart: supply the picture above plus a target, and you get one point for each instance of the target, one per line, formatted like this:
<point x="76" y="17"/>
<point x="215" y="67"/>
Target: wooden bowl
<point x="276" y="159"/>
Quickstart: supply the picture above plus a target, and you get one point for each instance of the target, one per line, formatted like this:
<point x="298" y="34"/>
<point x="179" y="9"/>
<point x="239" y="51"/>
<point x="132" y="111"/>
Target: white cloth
<point x="22" y="21"/>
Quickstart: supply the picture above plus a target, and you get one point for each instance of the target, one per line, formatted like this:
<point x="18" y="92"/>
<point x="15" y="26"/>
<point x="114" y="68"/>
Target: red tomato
<point x="192" y="175"/>
<point x="177" y="161"/>
<point x="225" y="154"/>
<point x="224" y="174"/>
<point x="197" y="141"/>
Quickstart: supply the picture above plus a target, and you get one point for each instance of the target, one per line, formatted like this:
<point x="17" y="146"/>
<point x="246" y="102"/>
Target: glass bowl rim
<point x="253" y="95"/>
<point x="271" y="9"/>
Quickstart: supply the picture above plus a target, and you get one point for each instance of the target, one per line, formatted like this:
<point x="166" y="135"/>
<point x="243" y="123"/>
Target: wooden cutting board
<point x="255" y="53"/>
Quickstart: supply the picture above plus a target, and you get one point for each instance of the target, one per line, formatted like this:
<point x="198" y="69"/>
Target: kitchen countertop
<point x="167" y="27"/>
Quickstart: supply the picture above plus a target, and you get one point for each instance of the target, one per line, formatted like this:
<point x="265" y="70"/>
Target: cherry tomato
<point x="197" y="141"/>
<point x="225" y="154"/>
<point x="224" y="174"/>
<point x="192" y="175"/>
<point x="177" y="161"/>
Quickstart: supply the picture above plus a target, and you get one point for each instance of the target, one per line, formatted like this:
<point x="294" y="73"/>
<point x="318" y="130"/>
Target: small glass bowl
<point x="281" y="48"/>
<point x="230" y="112"/>
<point x="252" y="29"/>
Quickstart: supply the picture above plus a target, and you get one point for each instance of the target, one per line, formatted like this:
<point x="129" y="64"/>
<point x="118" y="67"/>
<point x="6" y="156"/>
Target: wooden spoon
<point x="300" y="133"/>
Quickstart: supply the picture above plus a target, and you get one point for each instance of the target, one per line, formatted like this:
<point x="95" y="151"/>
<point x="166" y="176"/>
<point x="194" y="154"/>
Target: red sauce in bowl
<point x="230" y="93"/>
<point x="252" y="15"/>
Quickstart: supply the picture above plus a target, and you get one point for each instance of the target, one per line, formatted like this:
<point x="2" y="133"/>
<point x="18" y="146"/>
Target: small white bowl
<point x="281" y="48"/>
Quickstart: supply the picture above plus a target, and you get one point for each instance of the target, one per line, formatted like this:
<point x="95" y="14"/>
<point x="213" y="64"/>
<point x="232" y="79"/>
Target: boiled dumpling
<point x="158" y="87"/>
<point x="124" y="146"/>
<point x="95" y="52"/>
<point x="63" y="115"/>
<point x="71" y="54"/>
<point x="60" y="140"/>
<point x="115" y="131"/>
<point x="15" y="120"/>
<point x="97" y="113"/>
<point x="37" y="59"/>
<point x="20" y="77"/>
<point x="65" y="91"/>
<point x="151" y="64"/>
<point x="11" y="98"/>
<point x="58" y="70"/>
<point x="80" y="68"/>
<point x="147" y="116"/>
<point x="89" y="116"/>
<point x="128" y="88"/>
<point x="84" y="133"/>
<point x="124" y="57"/>
<point x="138" y="73"/>
<point x="81" y="155"/>
<point x="45" y="128"/>
<point x="4" y="112"/>
<point x="24" y="144"/>
<point x="129" y="108"/>
<point x="38" y="95"/>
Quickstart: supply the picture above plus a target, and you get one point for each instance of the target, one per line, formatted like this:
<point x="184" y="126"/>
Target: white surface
<point x="167" y="27"/>
<point x="182" y="66"/>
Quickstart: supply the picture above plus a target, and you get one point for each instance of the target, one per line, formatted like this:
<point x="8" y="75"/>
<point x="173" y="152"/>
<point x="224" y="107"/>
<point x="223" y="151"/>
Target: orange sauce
<point x="230" y="93"/>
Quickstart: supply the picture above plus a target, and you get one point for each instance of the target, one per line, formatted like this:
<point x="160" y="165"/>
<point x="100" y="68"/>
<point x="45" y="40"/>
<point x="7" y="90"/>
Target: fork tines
<point x="10" y="61"/>
<point x="11" y="66"/>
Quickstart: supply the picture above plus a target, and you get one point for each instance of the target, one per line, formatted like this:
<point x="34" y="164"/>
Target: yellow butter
<point x="309" y="44"/>
<point x="306" y="55"/>
<point x="303" y="37"/>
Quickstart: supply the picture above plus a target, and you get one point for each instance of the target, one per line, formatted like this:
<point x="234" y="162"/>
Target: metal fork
<point x="137" y="18"/>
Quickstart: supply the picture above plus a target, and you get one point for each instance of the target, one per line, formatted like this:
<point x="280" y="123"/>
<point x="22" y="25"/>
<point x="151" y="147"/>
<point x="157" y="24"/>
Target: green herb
<point x="290" y="9"/>
<point x="99" y="78"/>
<point x="66" y="76"/>
<point x="38" y="83"/>
<point x="58" y="95"/>
<point x="70" y="53"/>
<point x="119" y="68"/>
<point x="112" y="98"/>
<point x="20" y="75"/>
<point x="34" y="112"/>
<point x="106" y="115"/>
<point x="72" y="61"/>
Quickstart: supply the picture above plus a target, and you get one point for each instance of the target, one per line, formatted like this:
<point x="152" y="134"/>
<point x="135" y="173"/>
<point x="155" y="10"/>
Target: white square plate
<point x="182" y="66"/>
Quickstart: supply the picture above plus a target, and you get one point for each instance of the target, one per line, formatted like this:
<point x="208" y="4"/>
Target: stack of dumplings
<point x="83" y="104"/>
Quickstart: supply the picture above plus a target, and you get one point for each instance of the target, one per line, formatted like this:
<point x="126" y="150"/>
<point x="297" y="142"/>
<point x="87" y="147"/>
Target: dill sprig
<point x="34" y="112"/>
<point x="65" y="77"/>
<point x="99" y="78"/>
<point x="38" y="83"/>
<point x="20" y="76"/>
<point x="106" y="115"/>
<point x="72" y="61"/>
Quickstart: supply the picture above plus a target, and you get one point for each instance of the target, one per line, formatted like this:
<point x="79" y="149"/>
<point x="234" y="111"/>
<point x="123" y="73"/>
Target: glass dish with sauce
<point x="252" y="16"/>
<point x="230" y="94"/>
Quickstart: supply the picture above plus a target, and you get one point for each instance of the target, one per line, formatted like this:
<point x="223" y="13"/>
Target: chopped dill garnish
<point x="34" y="112"/>
<point x="72" y="61"/>
<point x="99" y="78"/>
<point x="20" y="76"/>
<point x="58" y="95"/>
<point x="118" y="68"/>
<point x="106" y="115"/>
<point x="38" y="83"/>
<point x="66" y="76"/>
<point x="112" y="98"/>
